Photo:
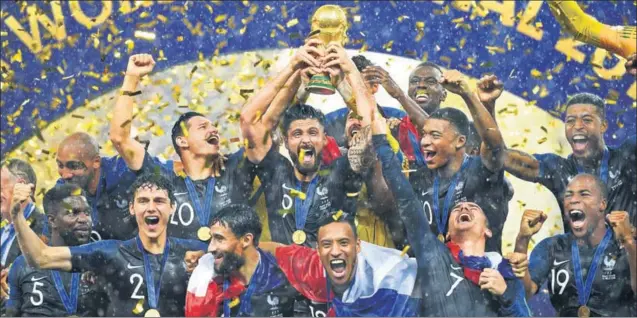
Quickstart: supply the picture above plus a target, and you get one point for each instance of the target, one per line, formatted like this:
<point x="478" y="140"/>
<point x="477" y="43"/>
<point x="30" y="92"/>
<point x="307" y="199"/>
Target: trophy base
<point x="320" y="84"/>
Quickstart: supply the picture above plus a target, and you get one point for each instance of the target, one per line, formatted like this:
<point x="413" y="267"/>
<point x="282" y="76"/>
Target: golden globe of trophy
<point x="329" y="24"/>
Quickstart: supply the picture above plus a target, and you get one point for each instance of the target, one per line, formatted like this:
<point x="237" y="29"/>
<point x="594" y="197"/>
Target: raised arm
<point x="410" y="210"/>
<point x="492" y="148"/>
<point x="489" y="88"/>
<point x="521" y="165"/>
<point x="262" y="111"/>
<point x="531" y="223"/>
<point x="376" y="74"/>
<point x="130" y="149"/>
<point x="37" y="254"/>
<point x="620" y="222"/>
<point x="365" y="103"/>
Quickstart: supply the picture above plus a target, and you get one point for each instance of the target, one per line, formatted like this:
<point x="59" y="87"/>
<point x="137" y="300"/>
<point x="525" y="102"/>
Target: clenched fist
<point x="532" y="221"/>
<point x="21" y="193"/>
<point x="140" y="65"/>
<point x="192" y="260"/>
<point x="620" y="222"/>
<point x="489" y="89"/>
<point x="455" y="82"/>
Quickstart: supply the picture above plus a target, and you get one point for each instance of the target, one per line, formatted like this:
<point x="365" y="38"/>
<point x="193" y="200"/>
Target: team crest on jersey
<point x="121" y="203"/>
<point x="321" y="191"/>
<point x="608" y="265"/>
<point x="273" y="301"/>
<point x="221" y="189"/>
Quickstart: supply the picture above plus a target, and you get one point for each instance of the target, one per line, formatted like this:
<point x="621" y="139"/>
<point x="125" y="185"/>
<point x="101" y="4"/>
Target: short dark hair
<point x="429" y="64"/>
<point x="454" y="116"/>
<point x="301" y="112"/>
<point x="178" y="132"/>
<point x="240" y="219"/>
<point x="54" y="197"/>
<point x="361" y="62"/>
<point x="603" y="190"/>
<point x="338" y="217"/>
<point x="152" y="179"/>
<point x="588" y="99"/>
<point x="21" y="169"/>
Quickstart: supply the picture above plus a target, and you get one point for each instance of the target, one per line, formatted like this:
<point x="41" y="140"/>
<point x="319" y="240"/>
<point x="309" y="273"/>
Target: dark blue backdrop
<point x="451" y="38"/>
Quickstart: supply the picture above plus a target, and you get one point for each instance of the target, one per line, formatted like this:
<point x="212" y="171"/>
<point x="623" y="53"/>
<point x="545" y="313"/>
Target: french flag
<point x="383" y="284"/>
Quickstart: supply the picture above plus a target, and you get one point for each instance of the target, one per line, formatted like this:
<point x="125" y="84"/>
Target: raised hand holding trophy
<point x="329" y="24"/>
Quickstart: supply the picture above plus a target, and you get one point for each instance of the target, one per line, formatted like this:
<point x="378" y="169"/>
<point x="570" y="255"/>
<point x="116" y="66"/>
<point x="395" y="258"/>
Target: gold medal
<point x="441" y="238"/>
<point x="204" y="233"/>
<point x="299" y="237"/>
<point x="152" y="313"/>
<point x="583" y="311"/>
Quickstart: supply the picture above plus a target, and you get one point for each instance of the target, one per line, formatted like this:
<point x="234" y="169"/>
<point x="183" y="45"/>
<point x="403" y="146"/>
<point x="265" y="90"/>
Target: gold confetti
<point x="297" y="194"/>
<point x="337" y="215"/>
<point x="292" y="22"/>
<point x="357" y="18"/>
<point x="420" y="25"/>
<point x="77" y="191"/>
<point x="220" y="18"/>
<point x="234" y="302"/>
<point x="139" y="307"/>
<point x="405" y="249"/>
<point x="162" y="18"/>
<point x="184" y="129"/>
<point x="542" y="140"/>
<point x="17" y="57"/>
<point x="130" y="45"/>
<point x="145" y="35"/>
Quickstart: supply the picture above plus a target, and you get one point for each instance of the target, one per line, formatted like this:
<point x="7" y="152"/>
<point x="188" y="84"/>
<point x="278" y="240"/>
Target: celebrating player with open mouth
<point x="147" y="275"/>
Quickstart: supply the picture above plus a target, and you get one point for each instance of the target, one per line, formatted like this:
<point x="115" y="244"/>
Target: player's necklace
<point x="203" y="212"/>
<point x="603" y="169"/>
<point x="68" y="299"/>
<point x="302" y="208"/>
<point x="584" y="288"/>
<point x="244" y="300"/>
<point x="441" y="218"/>
<point x="152" y="288"/>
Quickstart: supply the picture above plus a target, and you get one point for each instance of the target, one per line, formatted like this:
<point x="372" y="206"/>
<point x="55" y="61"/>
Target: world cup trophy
<point x="329" y="24"/>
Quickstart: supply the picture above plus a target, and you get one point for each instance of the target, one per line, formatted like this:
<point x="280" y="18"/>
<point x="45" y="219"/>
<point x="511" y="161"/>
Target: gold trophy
<point x="329" y="24"/>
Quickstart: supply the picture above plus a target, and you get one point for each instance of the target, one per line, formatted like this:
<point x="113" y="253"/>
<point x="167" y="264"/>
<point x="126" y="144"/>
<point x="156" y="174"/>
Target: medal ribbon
<point x="4" y="247"/>
<point x="203" y="213"/>
<point x="603" y="169"/>
<point x="302" y="207"/>
<point x="245" y="303"/>
<point x="441" y="219"/>
<point x="152" y="288"/>
<point x="69" y="301"/>
<point x="584" y="291"/>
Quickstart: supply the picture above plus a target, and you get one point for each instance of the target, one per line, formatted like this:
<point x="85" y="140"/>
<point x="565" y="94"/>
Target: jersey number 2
<point x="137" y="280"/>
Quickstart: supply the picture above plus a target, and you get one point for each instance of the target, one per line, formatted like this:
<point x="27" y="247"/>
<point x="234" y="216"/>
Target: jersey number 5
<point x="35" y="291"/>
<point x="555" y="277"/>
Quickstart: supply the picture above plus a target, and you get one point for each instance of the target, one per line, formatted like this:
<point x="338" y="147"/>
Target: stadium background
<point x="63" y="62"/>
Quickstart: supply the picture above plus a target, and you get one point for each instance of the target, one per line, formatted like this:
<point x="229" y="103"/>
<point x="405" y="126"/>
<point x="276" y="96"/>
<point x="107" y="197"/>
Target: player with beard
<point x="584" y="129"/>
<point x="210" y="182"/>
<point x="452" y="176"/>
<point x="592" y="270"/>
<point x="457" y="278"/>
<point x="351" y="266"/>
<point x="296" y="194"/>
<point x="236" y="278"/>
<point x="15" y="171"/>
<point x="106" y="182"/>
<point x="53" y="293"/>
<point x="146" y="275"/>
